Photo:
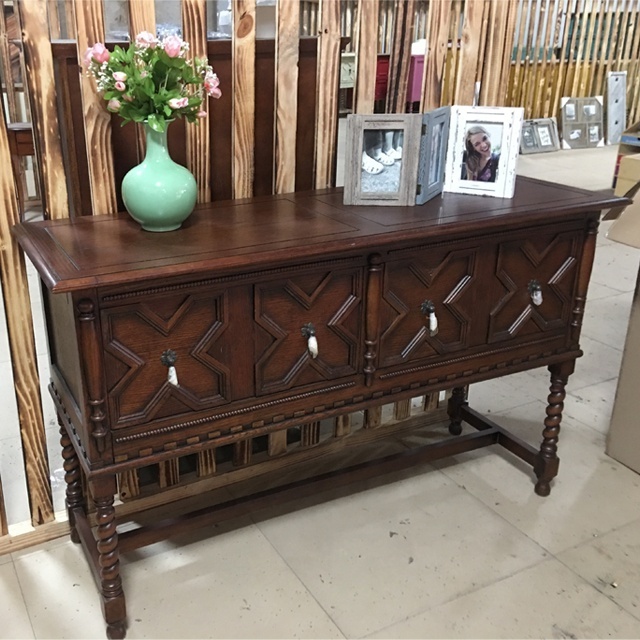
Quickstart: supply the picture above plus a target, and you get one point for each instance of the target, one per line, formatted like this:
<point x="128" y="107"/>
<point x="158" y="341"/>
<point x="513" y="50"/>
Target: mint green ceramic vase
<point x="159" y="193"/>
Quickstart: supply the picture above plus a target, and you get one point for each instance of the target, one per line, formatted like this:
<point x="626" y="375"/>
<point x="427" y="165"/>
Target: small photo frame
<point x="582" y="122"/>
<point x="483" y="151"/>
<point x="381" y="159"/>
<point x="433" y="154"/>
<point x="539" y="136"/>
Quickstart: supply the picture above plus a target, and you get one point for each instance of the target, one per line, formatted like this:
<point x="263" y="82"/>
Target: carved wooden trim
<point x="584" y="274"/>
<point x="372" y="323"/>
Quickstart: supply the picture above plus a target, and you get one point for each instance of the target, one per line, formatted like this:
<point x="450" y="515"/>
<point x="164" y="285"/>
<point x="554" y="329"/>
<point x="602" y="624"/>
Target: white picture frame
<point x="478" y="126"/>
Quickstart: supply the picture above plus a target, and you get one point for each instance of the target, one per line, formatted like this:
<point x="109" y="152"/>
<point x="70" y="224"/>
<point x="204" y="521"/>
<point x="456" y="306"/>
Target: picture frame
<point x="539" y="135"/>
<point x="374" y="174"/>
<point x="582" y="122"/>
<point x="468" y="170"/>
<point x="433" y="154"/>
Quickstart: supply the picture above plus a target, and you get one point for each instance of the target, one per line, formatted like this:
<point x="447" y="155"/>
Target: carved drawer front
<point x="140" y="342"/>
<point x="535" y="278"/>
<point x="432" y="286"/>
<point x="322" y="308"/>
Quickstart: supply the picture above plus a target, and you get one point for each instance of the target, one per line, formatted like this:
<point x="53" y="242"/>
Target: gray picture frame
<point x="539" y="135"/>
<point x="433" y="154"/>
<point x="582" y="122"/>
<point x="394" y="184"/>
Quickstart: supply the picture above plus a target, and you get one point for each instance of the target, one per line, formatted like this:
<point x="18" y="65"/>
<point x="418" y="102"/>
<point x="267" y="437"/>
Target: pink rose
<point x="88" y="57"/>
<point x="172" y="46"/>
<point x="119" y="76"/>
<point x="99" y="53"/>
<point x="211" y="85"/>
<point x="113" y="105"/>
<point x="201" y="114"/>
<point x="120" y="86"/>
<point x="146" y="40"/>
<point x="178" y="103"/>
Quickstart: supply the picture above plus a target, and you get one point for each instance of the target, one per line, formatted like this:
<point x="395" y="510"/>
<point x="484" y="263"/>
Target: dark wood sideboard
<point x="231" y="300"/>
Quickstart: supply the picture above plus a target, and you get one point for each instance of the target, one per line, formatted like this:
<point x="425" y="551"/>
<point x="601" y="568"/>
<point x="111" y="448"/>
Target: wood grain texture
<point x="22" y="347"/>
<point x="286" y="98"/>
<point x="7" y="74"/>
<point x="97" y="120"/>
<point x="367" y="56"/>
<point x="42" y="95"/>
<point x="436" y="58"/>
<point x="244" y="98"/>
<point x="470" y="51"/>
<point x="327" y="93"/>
<point x="206" y="463"/>
<point x="194" y="27"/>
<point x="400" y="58"/>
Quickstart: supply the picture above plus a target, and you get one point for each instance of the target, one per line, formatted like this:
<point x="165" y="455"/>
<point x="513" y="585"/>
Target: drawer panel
<point x="332" y="302"/>
<point x="196" y="326"/>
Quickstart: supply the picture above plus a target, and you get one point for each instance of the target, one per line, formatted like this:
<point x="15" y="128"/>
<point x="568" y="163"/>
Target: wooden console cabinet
<point x="183" y="342"/>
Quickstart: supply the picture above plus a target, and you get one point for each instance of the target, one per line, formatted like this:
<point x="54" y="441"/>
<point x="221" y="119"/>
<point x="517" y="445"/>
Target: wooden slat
<point x="342" y="426"/>
<point x="129" y="484"/>
<point x="372" y="418"/>
<point x="558" y="88"/>
<point x="7" y="74"/>
<point x="54" y="19"/>
<point x="633" y="76"/>
<point x="97" y="120"/>
<point x="436" y="55"/>
<point x="168" y="473"/>
<point x="277" y="443"/>
<point x="588" y="65"/>
<point x="4" y="527"/>
<point x="327" y="93"/>
<point x="598" y="44"/>
<point x="542" y="90"/>
<point x="309" y="434"/>
<point x="402" y="409"/>
<point x="470" y="51"/>
<point x="286" y="99"/>
<point x="367" y="58"/>
<point x="194" y="27"/>
<point x="42" y="96"/>
<point x="583" y="20"/>
<point x="400" y="58"/>
<point x="206" y="463"/>
<point x="22" y="346"/>
<point x="244" y="99"/>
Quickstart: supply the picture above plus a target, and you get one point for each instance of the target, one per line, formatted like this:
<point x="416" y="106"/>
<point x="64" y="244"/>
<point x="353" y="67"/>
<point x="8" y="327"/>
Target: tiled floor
<point x="461" y="549"/>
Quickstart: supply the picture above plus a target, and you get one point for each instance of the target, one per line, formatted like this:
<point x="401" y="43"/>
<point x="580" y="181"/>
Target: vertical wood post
<point x="367" y="57"/>
<point x="400" y="58"/>
<point x="436" y="56"/>
<point x="22" y="346"/>
<point x="244" y="99"/>
<point x="286" y="89"/>
<point x="470" y="51"/>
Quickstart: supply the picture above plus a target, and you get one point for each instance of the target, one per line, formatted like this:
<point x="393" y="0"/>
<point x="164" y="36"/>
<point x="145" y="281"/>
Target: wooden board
<point x="194" y="27"/>
<point x="286" y="98"/>
<point x="42" y="92"/>
<point x="22" y="347"/>
<point x="400" y="58"/>
<point x="244" y="99"/>
<point x="327" y="93"/>
<point x="97" y="120"/>
<point x="470" y="51"/>
<point x="437" y="53"/>
<point x="367" y="57"/>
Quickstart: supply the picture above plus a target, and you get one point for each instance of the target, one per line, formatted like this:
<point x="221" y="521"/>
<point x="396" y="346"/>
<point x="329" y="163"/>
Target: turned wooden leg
<point x="547" y="461"/>
<point x="113" y="603"/>
<point x="74" y="494"/>
<point x="456" y="402"/>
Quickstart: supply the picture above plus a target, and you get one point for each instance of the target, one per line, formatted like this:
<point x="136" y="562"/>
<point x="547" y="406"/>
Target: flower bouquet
<point x="152" y="80"/>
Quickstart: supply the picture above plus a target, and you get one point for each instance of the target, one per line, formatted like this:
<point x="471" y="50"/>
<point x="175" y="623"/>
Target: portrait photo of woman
<point x="481" y="153"/>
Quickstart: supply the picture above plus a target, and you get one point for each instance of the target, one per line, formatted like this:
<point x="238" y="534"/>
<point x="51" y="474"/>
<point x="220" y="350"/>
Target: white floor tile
<point x="545" y="601"/>
<point x="604" y="319"/>
<point x="592" y="405"/>
<point x="378" y="556"/>
<point x="13" y="612"/>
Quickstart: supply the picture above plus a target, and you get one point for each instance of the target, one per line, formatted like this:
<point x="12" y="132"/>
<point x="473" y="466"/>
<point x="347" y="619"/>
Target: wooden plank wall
<point x="522" y="52"/>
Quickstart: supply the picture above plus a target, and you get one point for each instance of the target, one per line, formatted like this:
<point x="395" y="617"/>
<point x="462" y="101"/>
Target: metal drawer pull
<point x="429" y="309"/>
<point x="168" y="359"/>
<point x="309" y="332"/>
<point x="535" y="291"/>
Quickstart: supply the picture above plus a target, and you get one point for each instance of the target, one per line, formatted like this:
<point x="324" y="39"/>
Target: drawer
<point x="331" y="301"/>
<point x="445" y="278"/>
<point x="548" y="261"/>
<point x="203" y="330"/>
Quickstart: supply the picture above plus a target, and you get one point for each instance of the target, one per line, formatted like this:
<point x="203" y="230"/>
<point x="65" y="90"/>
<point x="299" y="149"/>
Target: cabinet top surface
<point x="274" y="230"/>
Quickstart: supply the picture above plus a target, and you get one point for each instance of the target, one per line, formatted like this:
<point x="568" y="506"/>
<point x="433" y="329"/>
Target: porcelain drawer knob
<point x="168" y="359"/>
<point x="429" y="309"/>
<point x="309" y="332"/>
<point x="535" y="291"/>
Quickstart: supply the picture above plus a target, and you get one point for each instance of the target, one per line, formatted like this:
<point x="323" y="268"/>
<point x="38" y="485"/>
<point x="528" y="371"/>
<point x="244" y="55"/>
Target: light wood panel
<point x="327" y="93"/>
<point x="4" y="528"/>
<point x="437" y="53"/>
<point x="194" y="28"/>
<point x="286" y="98"/>
<point x="244" y="98"/>
<point x="367" y="57"/>
<point x="97" y="120"/>
<point x="42" y="94"/>
<point x="22" y="346"/>
<point x="470" y="51"/>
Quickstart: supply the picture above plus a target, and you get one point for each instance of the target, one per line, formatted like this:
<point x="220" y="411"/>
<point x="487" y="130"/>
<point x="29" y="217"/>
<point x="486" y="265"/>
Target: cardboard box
<point x="628" y="174"/>
<point x="629" y="145"/>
